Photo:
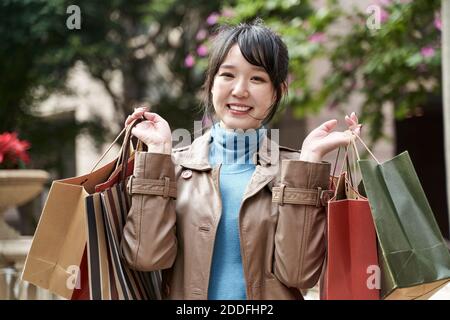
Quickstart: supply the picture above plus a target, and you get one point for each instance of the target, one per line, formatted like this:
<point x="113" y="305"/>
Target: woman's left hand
<point x="323" y="139"/>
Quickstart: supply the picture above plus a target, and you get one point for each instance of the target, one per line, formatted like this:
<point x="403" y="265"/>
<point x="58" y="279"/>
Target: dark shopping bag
<point x="414" y="259"/>
<point x="107" y="209"/>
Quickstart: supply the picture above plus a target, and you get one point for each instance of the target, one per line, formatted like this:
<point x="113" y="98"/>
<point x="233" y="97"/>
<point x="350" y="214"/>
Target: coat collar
<point x="196" y="156"/>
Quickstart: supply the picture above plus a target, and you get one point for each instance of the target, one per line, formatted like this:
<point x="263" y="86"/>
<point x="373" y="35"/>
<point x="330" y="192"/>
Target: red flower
<point x="13" y="152"/>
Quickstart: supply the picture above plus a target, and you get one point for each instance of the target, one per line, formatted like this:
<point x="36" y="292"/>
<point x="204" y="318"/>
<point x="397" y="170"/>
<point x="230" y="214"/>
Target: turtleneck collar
<point x="234" y="148"/>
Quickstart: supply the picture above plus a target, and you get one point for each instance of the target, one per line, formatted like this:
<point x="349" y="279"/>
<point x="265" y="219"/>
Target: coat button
<point x="186" y="174"/>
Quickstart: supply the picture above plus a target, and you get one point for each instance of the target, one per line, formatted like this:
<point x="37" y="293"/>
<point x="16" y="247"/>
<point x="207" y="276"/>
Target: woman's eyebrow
<point x="230" y="66"/>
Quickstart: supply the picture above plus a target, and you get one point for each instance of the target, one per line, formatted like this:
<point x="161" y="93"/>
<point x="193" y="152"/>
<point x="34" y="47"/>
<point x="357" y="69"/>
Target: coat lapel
<point x="267" y="161"/>
<point x="197" y="155"/>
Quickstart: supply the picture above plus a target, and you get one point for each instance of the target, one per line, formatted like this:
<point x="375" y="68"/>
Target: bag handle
<point x="330" y="185"/>
<point x="348" y="164"/>
<point x="344" y="164"/>
<point x="122" y="152"/>
<point x="365" y="146"/>
<point x="107" y="150"/>
<point x="126" y="146"/>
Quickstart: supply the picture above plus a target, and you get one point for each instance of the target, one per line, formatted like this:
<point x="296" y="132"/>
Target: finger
<point x="342" y="138"/>
<point x="154" y="117"/>
<point x="328" y="125"/>
<point x="349" y="121"/>
<point x="138" y="114"/>
<point x="133" y="132"/>
<point x="354" y="117"/>
<point x="140" y="110"/>
<point x="127" y="120"/>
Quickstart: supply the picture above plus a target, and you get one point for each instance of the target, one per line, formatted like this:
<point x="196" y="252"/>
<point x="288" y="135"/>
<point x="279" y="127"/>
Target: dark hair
<point x="260" y="46"/>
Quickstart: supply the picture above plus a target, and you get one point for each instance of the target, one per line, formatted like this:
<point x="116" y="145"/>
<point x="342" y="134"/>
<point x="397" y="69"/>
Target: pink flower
<point x="212" y="19"/>
<point x="384" y="16"/>
<point x="13" y="150"/>
<point x="427" y="52"/>
<point x="201" y="35"/>
<point x="202" y="51"/>
<point x="189" y="61"/>
<point x="438" y="22"/>
<point x="318" y="37"/>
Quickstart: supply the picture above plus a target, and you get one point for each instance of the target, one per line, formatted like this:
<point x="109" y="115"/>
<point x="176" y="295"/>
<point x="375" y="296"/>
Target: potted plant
<point x="18" y="185"/>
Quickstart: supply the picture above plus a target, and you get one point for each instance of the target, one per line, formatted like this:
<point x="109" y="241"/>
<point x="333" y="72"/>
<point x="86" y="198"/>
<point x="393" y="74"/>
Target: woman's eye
<point x="258" y="79"/>
<point x="227" y="75"/>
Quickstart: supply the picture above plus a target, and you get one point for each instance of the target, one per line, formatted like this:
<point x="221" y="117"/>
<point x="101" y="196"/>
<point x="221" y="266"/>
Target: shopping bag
<point x="81" y="290"/>
<point x="53" y="261"/>
<point x="107" y="209"/>
<point x="351" y="269"/>
<point x="414" y="259"/>
<point x="57" y="259"/>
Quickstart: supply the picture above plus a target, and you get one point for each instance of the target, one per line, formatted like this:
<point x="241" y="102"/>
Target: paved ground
<point x="443" y="294"/>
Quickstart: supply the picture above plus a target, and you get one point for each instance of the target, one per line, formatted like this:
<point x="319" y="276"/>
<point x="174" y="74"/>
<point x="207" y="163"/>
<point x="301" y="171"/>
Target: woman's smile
<point x="239" y="109"/>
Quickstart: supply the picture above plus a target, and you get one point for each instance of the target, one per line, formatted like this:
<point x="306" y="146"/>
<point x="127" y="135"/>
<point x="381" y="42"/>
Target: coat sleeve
<point x="300" y="232"/>
<point x="149" y="237"/>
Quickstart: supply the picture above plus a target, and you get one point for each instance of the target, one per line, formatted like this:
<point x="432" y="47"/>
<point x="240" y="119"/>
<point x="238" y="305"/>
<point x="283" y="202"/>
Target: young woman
<point x="223" y="218"/>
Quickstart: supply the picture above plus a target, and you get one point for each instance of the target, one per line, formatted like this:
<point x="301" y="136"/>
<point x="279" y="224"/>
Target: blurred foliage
<point x="143" y="40"/>
<point x="302" y="26"/>
<point x="397" y="63"/>
<point x="159" y="48"/>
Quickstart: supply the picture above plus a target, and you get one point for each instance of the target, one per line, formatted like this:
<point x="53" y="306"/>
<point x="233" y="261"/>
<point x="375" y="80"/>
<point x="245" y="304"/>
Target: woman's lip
<point x="238" y="112"/>
<point x="238" y="105"/>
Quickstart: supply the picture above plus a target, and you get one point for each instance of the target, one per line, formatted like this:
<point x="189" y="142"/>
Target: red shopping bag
<point x="351" y="270"/>
<point x="81" y="291"/>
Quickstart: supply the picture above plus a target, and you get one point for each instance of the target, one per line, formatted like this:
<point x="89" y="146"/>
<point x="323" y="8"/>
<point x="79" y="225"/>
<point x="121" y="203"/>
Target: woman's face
<point x="242" y="93"/>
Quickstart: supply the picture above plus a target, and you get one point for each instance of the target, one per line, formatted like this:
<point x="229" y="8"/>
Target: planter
<point x="17" y="187"/>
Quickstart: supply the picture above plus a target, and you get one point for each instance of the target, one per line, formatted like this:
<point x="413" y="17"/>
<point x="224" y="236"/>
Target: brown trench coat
<point x="176" y="208"/>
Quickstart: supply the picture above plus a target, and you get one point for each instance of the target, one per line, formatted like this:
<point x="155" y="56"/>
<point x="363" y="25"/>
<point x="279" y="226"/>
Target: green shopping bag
<point x="414" y="259"/>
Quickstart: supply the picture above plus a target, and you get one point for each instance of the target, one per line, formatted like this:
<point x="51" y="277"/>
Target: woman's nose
<point x="240" y="90"/>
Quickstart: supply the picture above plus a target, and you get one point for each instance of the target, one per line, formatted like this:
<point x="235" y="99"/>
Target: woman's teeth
<point x="238" y="108"/>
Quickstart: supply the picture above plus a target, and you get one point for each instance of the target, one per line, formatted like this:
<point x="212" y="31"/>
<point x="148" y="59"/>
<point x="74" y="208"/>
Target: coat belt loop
<point x="282" y="187"/>
<point x="319" y="197"/>
<point x="166" y="187"/>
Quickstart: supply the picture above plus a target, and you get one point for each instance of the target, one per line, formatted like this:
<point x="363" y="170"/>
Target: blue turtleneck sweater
<point x="234" y="150"/>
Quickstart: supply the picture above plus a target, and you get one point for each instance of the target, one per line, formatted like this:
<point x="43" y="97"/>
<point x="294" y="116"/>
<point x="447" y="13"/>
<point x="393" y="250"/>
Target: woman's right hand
<point x="154" y="131"/>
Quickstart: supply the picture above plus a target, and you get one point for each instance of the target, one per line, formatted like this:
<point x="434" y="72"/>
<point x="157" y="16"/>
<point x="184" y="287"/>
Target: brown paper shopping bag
<point x="60" y="238"/>
<point x="59" y="242"/>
